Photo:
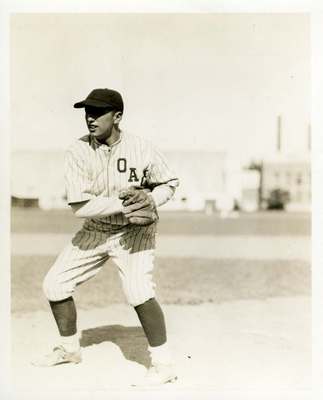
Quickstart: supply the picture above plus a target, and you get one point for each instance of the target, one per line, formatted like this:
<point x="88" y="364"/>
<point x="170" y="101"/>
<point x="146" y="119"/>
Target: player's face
<point x="100" y="121"/>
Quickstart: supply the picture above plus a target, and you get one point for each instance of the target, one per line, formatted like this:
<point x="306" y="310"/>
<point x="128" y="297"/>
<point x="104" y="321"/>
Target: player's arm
<point x="162" y="193"/>
<point x="97" y="207"/>
<point x="161" y="179"/>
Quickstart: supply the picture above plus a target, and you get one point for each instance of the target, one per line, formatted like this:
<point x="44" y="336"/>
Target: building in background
<point x="249" y="190"/>
<point x="212" y="181"/>
<point x="291" y="173"/>
<point x="203" y="179"/>
<point x="209" y="181"/>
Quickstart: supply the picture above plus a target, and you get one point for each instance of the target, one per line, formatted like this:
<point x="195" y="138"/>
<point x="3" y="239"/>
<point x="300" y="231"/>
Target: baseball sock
<point x="152" y="320"/>
<point x="71" y="343"/>
<point x="160" y="354"/>
<point x="64" y="312"/>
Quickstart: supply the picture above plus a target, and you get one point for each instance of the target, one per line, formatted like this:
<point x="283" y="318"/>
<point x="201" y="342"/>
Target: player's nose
<point x="89" y="118"/>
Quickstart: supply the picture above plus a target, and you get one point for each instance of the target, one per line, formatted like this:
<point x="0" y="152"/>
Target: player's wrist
<point x="151" y="199"/>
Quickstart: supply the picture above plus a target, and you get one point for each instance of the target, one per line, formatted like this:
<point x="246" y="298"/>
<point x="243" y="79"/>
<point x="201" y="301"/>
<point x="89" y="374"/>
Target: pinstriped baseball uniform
<point x="94" y="169"/>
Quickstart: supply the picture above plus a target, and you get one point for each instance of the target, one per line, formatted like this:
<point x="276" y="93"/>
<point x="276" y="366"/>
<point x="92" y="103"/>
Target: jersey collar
<point x="96" y="144"/>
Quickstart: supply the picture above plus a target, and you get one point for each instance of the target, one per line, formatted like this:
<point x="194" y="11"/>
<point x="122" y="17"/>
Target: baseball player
<point x="114" y="181"/>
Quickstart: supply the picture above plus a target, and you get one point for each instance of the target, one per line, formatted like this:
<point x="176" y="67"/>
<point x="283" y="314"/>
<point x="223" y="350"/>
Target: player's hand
<point x="139" y="206"/>
<point x="133" y="195"/>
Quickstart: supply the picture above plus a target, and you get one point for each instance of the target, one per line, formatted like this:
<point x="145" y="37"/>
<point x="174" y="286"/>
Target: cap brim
<point x="80" y="104"/>
<point x="92" y="103"/>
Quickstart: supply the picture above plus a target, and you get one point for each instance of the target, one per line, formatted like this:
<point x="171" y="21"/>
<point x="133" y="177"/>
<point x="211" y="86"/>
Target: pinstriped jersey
<point x="95" y="169"/>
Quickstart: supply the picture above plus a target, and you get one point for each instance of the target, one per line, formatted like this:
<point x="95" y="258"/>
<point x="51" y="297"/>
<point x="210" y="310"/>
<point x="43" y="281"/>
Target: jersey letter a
<point x="133" y="176"/>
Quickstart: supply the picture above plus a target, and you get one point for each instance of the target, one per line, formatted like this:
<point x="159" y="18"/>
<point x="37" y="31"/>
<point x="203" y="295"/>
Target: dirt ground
<point x="243" y="345"/>
<point x="238" y="321"/>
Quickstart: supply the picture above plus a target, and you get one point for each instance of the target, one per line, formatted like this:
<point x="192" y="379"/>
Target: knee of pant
<point x="136" y="301"/>
<point x="137" y="296"/>
<point x="54" y="290"/>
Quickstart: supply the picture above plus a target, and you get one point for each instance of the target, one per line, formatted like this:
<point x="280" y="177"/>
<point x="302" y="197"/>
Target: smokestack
<point x="279" y="128"/>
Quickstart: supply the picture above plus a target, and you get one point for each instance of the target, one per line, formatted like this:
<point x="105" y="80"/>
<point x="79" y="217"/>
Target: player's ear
<point x="117" y="117"/>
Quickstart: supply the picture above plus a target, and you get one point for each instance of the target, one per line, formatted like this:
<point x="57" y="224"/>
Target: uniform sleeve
<point x="77" y="181"/>
<point x="159" y="171"/>
<point x="161" y="178"/>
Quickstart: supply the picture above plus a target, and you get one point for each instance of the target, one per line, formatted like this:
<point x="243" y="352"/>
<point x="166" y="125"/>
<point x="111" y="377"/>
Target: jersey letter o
<point x="122" y="165"/>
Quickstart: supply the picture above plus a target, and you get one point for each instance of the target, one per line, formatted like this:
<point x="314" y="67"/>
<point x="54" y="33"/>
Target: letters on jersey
<point x="133" y="177"/>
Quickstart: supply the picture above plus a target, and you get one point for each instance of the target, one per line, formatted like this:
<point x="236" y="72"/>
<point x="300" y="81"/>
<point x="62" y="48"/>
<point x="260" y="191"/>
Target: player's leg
<point x="64" y="312"/>
<point x="152" y="319"/>
<point x="79" y="261"/>
<point x="135" y="260"/>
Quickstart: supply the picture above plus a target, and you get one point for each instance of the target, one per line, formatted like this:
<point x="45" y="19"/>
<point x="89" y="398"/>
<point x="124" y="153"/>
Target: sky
<point x="189" y="81"/>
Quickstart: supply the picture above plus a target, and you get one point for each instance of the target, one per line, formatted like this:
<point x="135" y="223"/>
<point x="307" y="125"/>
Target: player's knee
<point x="49" y="288"/>
<point x="136" y="301"/>
<point x="54" y="290"/>
<point x="136" y="296"/>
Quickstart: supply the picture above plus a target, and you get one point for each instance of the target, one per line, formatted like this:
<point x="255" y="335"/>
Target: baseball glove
<point x="139" y="206"/>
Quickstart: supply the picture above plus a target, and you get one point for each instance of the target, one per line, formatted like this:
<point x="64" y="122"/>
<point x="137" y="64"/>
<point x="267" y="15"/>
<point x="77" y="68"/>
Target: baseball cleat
<point x="158" y="375"/>
<point x="58" y="356"/>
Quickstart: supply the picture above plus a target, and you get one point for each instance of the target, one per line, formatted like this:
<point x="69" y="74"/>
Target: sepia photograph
<point x="160" y="204"/>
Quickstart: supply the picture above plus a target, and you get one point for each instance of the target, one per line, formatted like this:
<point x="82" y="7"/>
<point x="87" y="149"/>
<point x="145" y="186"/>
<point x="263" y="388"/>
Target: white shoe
<point x="58" y="356"/>
<point x="158" y="375"/>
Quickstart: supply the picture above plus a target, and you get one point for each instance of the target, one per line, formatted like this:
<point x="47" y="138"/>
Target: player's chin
<point x="97" y="133"/>
<point x="102" y="137"/>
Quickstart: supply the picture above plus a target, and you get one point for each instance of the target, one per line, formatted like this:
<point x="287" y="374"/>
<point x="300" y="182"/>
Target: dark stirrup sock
<point x="152" y="320"/>
<point x="64" y="312"/>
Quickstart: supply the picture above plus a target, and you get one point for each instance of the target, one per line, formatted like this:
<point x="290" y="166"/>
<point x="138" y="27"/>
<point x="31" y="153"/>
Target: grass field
<point x="180" y="281"/>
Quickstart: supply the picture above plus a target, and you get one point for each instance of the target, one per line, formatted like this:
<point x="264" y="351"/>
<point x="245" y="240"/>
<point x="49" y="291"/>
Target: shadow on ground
<point x="131" y="340"/>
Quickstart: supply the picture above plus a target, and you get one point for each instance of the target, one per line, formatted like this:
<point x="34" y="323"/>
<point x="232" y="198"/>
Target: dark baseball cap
<point x="106" y="98"/>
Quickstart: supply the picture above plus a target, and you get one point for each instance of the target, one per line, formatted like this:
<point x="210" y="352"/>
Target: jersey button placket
<point x="107" y="150"/>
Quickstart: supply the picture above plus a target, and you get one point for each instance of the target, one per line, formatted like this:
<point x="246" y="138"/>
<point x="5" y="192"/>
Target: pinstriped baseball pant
<point x="130" y="247"/>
